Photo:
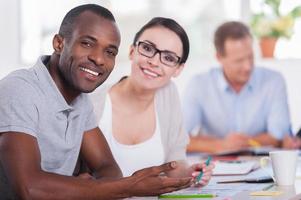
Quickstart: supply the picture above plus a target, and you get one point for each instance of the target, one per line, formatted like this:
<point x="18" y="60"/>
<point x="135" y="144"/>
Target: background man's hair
<point x="70" y="18"/>
<point x="229" y="30"/>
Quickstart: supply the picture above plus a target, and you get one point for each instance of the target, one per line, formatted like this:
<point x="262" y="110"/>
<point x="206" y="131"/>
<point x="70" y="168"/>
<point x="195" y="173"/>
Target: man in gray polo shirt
<point x="46" y="120"/>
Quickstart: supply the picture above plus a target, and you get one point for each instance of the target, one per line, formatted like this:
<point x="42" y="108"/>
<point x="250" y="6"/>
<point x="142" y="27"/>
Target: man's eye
<point x="86" y="44"/>
<point x="111" y="53"/>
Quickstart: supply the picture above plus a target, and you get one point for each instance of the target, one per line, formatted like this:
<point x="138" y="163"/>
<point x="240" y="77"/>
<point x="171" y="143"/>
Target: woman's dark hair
<point x="171" y="25"/>
<point x="229" y="30"/>
<point x="69" y="20"/>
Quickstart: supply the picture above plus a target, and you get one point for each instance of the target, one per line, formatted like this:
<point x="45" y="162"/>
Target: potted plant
<point x="270" y="24"/>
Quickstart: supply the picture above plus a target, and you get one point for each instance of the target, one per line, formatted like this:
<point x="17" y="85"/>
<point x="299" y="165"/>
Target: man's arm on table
<point x="234" y="141"/>
<point x="266" y="139"/>
<point x="211" y="144"/>
<point x="291" y="142"/>
<point x="20" y="157"/>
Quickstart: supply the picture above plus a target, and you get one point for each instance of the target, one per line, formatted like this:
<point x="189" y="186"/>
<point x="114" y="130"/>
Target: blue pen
<point x="198" y="178"/>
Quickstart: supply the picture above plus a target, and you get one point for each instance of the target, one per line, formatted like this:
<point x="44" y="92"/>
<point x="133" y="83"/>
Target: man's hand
<point x="291" y="142"/>
<point x="153" y="181"/>
<point x="236" y="141"/>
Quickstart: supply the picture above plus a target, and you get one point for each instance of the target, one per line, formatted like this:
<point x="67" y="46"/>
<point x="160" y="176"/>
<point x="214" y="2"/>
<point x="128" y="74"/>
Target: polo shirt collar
<point x="225" y="86"/>
<point x="48" y="85"/>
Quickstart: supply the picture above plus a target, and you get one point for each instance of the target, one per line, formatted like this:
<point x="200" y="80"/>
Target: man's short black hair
<point x="70" y="18"/>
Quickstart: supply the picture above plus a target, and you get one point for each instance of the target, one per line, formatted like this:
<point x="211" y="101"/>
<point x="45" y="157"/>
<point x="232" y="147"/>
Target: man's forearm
<point x="56" y="187"/>
<point x="204" y="144"/>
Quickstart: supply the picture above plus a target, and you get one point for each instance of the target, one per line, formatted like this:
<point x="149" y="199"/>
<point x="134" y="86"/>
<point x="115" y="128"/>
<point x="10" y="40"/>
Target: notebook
<point x="234" y="167"/>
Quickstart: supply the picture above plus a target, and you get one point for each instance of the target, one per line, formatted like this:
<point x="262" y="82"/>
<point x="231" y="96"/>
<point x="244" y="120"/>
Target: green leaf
<point x="265" y="24"/>
<point x="275" y="4"/>
<point x="296" y="12"/>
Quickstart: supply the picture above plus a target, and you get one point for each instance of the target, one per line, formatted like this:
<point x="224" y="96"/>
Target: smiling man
<point x="47" y="121"/>
<point x="236" y="105"/>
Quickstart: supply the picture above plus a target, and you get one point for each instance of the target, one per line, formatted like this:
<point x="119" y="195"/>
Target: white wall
<point x="9" y="40"/>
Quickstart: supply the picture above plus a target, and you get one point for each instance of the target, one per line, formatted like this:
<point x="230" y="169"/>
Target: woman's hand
<point x="207" y="173"/>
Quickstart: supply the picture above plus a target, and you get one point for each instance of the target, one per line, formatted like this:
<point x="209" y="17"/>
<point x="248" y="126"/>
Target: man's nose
<point x="247" y="65"/>
<point x="97" y="56"/>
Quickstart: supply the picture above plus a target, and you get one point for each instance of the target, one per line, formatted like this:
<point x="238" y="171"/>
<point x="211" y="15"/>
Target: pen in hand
<point x="253" y="143"/>
<point x="199" y="177"/>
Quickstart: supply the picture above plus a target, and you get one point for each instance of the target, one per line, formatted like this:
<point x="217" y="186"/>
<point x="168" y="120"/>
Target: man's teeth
<point x="89" y="71"/>
<point x="150" y="73"/>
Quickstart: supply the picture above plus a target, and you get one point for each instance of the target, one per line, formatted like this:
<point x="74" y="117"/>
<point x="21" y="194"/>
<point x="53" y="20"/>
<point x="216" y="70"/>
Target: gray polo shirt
<point x="31" y="103"/>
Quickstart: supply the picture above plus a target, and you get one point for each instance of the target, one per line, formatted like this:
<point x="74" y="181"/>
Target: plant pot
<point x="267" y="46"/>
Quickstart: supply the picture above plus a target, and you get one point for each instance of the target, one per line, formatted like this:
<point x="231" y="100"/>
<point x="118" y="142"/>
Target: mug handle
<point x="264" y="161"/>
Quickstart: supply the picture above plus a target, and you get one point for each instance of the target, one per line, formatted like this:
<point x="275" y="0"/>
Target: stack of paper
<point x="234" y="168"/>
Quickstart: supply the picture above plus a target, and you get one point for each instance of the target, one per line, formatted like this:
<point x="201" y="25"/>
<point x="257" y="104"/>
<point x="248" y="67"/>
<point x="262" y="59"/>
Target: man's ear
<point x="178" y="70"/>
<point x="219" y="56"/>
<point x="131" y="52"/>
<point x="58" y="44"/>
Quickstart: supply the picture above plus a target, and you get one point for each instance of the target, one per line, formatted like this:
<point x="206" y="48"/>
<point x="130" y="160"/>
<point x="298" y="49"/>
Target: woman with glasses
<point x="141" y="115"/>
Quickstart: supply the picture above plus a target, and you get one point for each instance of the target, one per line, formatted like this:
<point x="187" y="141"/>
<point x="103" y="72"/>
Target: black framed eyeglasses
<point x="166" y="57"/>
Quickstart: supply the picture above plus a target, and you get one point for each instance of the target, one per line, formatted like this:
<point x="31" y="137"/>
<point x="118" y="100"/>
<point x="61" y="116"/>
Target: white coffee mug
<point x="284" y="164"/>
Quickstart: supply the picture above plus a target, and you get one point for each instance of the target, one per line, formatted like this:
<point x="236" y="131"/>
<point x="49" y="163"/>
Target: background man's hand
<point x="236" y="141"/>
<point x="291" y="142"/>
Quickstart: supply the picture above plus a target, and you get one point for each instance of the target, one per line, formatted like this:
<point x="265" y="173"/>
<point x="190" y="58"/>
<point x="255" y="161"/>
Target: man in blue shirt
<point x="236" y="105"/>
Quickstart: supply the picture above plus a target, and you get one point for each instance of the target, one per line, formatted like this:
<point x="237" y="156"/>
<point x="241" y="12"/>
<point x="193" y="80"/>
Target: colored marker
<point x="185" y="196"/>
<point x="199" y="177"/>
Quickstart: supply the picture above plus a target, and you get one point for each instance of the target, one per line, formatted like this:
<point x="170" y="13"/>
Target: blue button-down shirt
<point x="211" y="106"/>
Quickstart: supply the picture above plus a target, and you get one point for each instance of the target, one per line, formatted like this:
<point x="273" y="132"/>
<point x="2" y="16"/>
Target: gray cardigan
<point x="174" y="138"/>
